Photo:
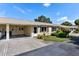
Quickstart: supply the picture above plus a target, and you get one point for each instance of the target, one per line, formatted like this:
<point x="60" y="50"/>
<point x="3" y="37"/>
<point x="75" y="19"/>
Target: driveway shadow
<point x="57" y="49"/>
<point x="74" y="40"/>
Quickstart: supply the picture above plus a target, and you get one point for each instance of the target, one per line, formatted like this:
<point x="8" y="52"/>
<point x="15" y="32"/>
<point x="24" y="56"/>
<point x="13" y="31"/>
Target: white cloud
<point x="65" y="18"/>
<point x="29" y="10"/>
<point x="76" y="17"/>
<point x="22" y="10"/>
<point x="46" y="4"/>
<point x="19" y="9"/>
<point x="58" y="13"/>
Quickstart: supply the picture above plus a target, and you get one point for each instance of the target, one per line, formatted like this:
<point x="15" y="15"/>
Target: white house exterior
<point x="12" y="27"/>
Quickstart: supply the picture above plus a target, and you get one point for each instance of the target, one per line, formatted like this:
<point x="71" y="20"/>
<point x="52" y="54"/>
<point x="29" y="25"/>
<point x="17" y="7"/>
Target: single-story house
<point x="71" y="28"/>
<point x="12" y="27"/>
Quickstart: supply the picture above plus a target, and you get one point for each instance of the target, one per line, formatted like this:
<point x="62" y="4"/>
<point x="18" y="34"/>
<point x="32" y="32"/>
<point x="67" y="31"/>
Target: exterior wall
<point x="15" y="30"/>
<point x="50" y="30"/>
<point x="2" y="28"/>
<point x="28" y="30"/>
<point x="38" y="30"/>
<point x="2" y="31"/>
<point x="47" y="32"/>
<point x="32" y="31"/>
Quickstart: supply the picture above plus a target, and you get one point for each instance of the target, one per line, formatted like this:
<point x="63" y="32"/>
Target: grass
<point x="52" y="38"/>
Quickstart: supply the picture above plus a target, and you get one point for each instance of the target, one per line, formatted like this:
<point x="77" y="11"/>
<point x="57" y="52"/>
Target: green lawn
<point x="52" y="38"/>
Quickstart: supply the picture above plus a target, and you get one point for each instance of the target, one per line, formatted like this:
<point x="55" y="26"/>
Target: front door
<point x="35" y="29"/>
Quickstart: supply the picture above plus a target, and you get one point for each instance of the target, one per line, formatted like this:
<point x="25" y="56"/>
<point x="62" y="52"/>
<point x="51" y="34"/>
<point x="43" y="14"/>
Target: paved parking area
<point x="20" y="45"/>
<point x="56" y="49"/>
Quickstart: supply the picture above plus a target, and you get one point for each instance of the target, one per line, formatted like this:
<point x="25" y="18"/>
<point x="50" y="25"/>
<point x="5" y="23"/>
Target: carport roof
<point x="21" y="22"/>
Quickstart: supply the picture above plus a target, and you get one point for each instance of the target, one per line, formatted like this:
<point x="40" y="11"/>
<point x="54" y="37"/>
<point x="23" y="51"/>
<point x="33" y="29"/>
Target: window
<point x="12" y="29"/>
<point x="35" y="29"/>
<point x="53" y="28"/>
<point x="21" y="28"/>
<point x="43" y="29"/>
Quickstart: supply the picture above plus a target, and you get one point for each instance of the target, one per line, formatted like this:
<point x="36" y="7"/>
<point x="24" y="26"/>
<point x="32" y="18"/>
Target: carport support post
<point x="32" y="31"/>
<point x="38" y="30"/>
<point x="7" y="31"/>
<point x="50" y="30"/>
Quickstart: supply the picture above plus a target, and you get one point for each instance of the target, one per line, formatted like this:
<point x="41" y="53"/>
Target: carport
<point x="13" y="31"/>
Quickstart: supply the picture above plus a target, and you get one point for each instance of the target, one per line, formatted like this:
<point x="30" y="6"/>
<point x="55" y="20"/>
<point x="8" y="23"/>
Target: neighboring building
<point x="11" y="28"/>
<point x="71" y="28"/>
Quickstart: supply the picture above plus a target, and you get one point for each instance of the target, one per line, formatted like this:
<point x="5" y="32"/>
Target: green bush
<point x="40" y="37"/>
<point x="61" y="33"/>
<point x="54" y="34"/>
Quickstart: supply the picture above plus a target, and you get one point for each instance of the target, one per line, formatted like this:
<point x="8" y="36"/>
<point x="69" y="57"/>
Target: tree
<point x="66" y="23"/>
<point x="43" y="19"/>
<point x="77" y="22"/>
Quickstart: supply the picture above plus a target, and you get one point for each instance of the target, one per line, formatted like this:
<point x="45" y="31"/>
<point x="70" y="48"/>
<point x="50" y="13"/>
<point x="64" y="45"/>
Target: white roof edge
<point x="23" y="22"/>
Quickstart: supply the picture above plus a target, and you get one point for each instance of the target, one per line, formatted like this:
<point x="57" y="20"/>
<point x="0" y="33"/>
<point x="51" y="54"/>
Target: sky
<point x="57" y="12"/>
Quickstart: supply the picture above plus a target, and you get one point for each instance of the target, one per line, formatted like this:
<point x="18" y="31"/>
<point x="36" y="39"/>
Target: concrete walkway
<point x="17" y="46"/>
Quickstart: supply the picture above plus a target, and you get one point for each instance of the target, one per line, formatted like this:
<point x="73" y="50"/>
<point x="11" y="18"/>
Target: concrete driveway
<point x="56" y="49"/>
<point x="17" y="46"/>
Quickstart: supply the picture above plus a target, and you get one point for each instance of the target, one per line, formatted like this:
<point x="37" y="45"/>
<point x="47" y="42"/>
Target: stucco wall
<point x="15" y="30"/>
<point x="28" y="30"/>
<point x="2" y="27"/>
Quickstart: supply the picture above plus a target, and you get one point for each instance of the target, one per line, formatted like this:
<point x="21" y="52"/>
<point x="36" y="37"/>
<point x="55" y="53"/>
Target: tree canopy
<point x="77" y="22"/>
<point x="43" y="19"/>
<point x="66" y="23"/>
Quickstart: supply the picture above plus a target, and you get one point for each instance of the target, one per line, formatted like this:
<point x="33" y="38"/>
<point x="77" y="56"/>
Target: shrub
<point x="50" y="38"/>
<point x="40" y="37"/>
<point x="53" y="38"/>
<point x="61" y="33"/>
<point x="54" y="34"/>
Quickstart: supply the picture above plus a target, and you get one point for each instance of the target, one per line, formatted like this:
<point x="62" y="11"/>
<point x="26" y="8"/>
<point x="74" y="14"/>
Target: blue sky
<point x="57" y="12"/>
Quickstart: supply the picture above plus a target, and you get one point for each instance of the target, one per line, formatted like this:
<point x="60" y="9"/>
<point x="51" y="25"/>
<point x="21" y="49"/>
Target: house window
<point x="20" y="28"/>
<point x="12" y="29"/>
<point x="43" y="29"/>
<point x="53" y="28"/>
<point x="35" y="29"/>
